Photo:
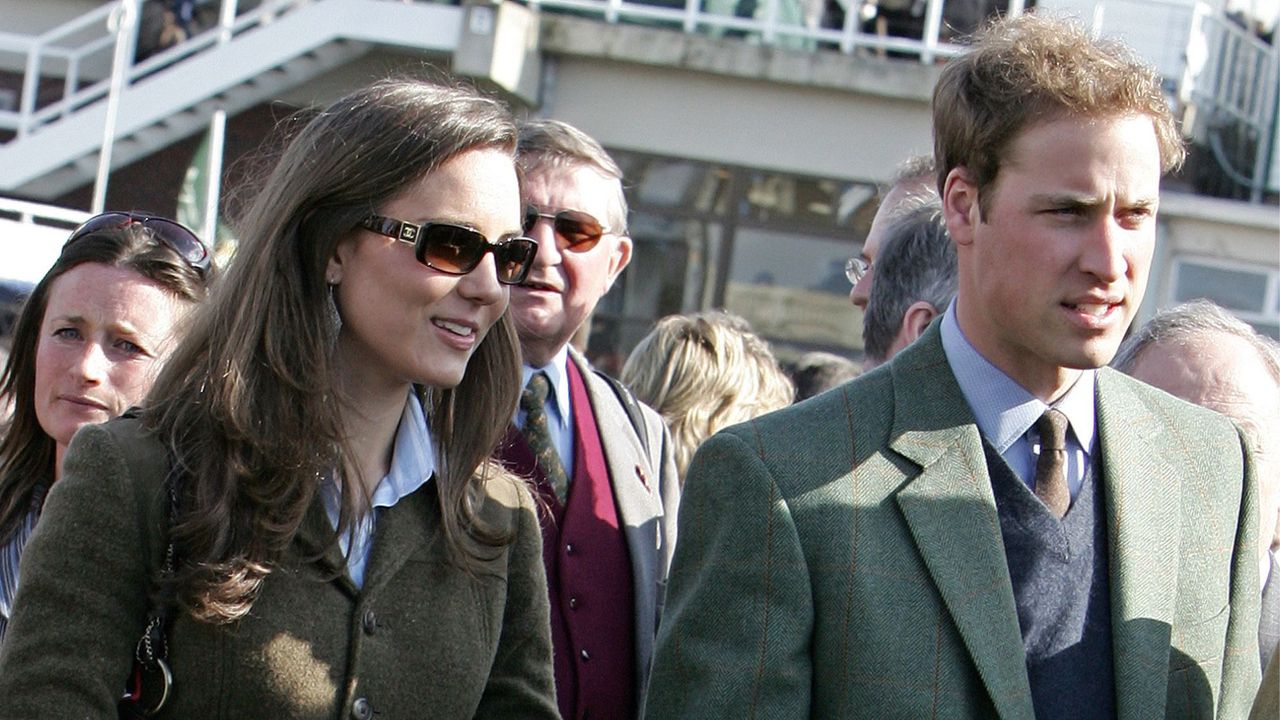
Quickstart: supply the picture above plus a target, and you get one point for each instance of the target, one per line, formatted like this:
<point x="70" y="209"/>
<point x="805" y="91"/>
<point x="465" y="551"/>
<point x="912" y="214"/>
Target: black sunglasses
<point x="575" y="230"/>
<point x="175" y="236"/>
<point x="457" y="250"/>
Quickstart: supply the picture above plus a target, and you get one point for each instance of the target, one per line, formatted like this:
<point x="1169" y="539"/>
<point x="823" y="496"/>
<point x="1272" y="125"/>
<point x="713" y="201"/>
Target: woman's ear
<point x="341" y="252"/>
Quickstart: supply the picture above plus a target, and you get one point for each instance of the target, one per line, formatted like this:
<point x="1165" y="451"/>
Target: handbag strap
<point x="154" y="642"/>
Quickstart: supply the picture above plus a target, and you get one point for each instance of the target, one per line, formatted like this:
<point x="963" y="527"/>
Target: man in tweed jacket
<point x="898" y="548"/>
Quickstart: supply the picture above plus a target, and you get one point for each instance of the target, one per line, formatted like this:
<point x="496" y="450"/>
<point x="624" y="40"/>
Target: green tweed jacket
<point x="421" y="639"/>
<point x="842" y="558"/>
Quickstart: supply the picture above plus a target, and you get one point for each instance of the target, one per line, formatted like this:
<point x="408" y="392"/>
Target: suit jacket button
<point x="361" y="709"/>
<point x="568" y="549"/>
<point x="585" y="655"/>
<point x="573" y="603"/>
<point x="370" y="621"/>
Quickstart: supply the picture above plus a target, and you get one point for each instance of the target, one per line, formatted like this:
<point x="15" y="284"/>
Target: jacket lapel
<point x="1142" y="530"/>
<point x="951" y="512"/>
<point x="313" y="537"/>
<point x="634" y="481"/>
<point x="635" y="494"/>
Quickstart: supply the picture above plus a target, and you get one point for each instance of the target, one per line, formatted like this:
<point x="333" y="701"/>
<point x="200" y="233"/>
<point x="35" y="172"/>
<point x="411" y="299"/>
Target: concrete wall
<point x="728" y="101"/>
<point x="31" y="17"/>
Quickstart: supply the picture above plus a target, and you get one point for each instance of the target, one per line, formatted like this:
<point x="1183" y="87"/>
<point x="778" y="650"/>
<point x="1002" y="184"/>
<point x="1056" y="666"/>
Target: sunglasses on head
<point x="575" y="230"/>
<point x="457" y="250"/>
<point x="174" y="235"/>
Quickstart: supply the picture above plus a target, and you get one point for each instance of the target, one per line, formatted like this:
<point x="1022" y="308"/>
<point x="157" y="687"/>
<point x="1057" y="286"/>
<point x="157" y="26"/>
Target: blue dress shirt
<point x="559" y="410"/>
<point x="1006" y="413"/>
<point x="413" y="462"/>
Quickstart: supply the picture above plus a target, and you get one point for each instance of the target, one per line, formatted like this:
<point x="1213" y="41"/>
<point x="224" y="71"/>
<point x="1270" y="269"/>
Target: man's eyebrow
<point x="1066" y="200"/>
<point x="1074" y="200"/>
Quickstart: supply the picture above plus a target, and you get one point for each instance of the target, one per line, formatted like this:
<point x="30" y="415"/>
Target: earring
<point x="333" y="320"/>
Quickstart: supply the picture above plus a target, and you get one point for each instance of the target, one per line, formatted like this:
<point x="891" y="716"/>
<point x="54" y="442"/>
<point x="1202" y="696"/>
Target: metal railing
<point x="1235" y="97"/>
<point x="1210" y="64"/>
<point x="796" y="24"/>
<point x="78" y="55"/>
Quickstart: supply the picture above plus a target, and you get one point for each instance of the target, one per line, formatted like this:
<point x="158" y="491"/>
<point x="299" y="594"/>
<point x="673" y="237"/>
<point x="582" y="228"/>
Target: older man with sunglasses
<point x="601" y="461"/>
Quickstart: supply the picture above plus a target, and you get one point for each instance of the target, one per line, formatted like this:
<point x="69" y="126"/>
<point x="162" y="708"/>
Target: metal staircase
<point x="173" y="95"/>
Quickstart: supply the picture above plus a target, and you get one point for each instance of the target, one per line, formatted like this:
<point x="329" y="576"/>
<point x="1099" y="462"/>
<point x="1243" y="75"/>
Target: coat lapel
<point x="635" y="494"/>
<point x="951" y="512"/>
<point x="1142" y="530"/>
<point x="313" y="537"/>
<point x="634" y="481"/>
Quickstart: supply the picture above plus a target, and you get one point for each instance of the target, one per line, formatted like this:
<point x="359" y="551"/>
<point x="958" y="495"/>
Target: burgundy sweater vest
<point x="588" y="573"/>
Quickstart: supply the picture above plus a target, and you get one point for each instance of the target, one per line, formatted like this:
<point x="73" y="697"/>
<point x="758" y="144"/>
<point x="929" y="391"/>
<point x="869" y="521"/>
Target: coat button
<point x="568" y="549"/>
<point x="370" y="621"/>
<point x="585" y="655"/>
<point x="361" y="709"/>
<point x="573" y="603"/>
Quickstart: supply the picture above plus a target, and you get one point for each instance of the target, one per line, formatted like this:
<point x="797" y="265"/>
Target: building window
<point x="1247" y="291"/>
<point x="766" y="245"/>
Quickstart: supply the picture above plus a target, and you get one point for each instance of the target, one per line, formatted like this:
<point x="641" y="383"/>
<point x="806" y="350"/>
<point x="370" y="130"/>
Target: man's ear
<point x="917" y="318"/>
<point x="618" y="260"/>
<point x="960" y="205"/>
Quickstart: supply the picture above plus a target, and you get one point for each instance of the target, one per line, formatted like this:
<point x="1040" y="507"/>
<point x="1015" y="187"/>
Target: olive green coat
<point x="421" y="639"/>
<point x="842" y="558"/>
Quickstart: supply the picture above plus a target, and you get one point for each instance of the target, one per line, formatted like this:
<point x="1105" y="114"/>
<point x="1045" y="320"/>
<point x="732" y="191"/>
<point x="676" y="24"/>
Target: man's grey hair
<point x="917" y="262"/>
<point x="550" y="145"/>
<point x="1190" y="321"/>
<point x="916" y="170"/>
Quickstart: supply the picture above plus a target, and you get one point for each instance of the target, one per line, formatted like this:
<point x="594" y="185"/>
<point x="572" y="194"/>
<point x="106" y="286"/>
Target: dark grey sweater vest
<point x="1061" y="589"/>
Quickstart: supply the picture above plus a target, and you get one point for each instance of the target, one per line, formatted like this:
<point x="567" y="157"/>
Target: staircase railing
<point x="1235" y="96"/>
<point x="78" y="53"/>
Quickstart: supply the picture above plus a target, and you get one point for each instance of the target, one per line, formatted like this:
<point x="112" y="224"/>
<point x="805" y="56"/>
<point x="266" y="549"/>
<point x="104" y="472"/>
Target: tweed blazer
<point x="423" y="638"/>
<point x="842" y="558"/>
<point x="646" y="489"/>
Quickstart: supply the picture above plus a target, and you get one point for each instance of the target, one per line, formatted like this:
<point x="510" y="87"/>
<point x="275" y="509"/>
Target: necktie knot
<point x="535" y="393"/>
<point x="1051" y="468"/>
<point x="1052" y="427"/>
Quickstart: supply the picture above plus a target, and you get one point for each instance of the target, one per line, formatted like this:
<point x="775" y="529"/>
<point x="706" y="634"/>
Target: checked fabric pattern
<point x="533" y="402"/>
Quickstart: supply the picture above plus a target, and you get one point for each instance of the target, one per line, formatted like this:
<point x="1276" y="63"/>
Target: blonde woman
<point x="704" y="372"/>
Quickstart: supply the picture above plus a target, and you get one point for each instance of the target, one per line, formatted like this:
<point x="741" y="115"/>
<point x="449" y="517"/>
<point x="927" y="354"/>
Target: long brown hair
<point x="26" y="450"/>
<point x="248" y="404"/>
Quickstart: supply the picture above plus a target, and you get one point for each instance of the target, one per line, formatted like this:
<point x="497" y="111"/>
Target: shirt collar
<point x="557" y="372"/>
<point x="1004" y="409"/>
<point x="413" y="459"/>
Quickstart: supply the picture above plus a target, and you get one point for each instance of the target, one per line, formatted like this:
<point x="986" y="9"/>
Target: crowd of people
<point x="365" y="469"/>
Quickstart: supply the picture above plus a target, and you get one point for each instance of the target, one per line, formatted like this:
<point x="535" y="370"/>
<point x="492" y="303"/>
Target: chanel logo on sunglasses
<point x="456" y="249"/>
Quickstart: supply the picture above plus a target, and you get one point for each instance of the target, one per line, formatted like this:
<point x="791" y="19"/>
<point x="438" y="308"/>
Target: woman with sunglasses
<point x="86" y="346"/>
<point x="341" y="545"/>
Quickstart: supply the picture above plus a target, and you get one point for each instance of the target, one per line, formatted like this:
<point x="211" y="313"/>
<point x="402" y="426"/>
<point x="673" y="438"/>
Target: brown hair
<point x="550" y="145"/>
<point x="248" y="404"/>
<point x="1031" y="69"/>
<point x="26" y="450"/>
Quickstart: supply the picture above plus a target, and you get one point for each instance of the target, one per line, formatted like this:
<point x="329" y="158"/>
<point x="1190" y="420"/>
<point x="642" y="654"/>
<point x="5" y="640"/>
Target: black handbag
<point x="151" y="682"/>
